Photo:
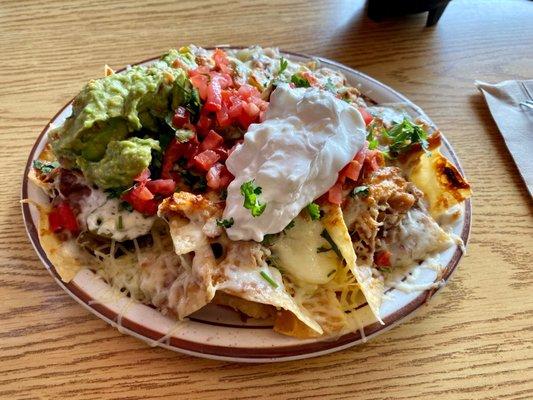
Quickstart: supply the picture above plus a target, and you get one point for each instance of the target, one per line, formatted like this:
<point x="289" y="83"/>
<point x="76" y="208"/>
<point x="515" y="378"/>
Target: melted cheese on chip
<point x="372" y="287"/>
<point x="303" y="254"/>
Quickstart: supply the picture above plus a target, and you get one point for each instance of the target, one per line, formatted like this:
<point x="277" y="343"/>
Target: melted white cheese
<point x="298" y="256"/>
<point x="110" y="221"/>
<point x="294" y="155"/>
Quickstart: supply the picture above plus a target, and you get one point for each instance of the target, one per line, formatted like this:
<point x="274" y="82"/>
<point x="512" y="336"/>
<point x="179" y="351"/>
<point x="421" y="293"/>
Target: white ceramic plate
<point x="217" y="333"/>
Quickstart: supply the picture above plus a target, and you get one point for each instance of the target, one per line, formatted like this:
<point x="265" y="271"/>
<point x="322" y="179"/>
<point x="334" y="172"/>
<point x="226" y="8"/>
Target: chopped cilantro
<point x="371" y="137"/>
<point x="225" y="223"/>
<point x="325" y="235"/>
<point x="45" y="166"/>
<point x="183" y="135"/>
<point x="404" y="134"/>
<point x="251" y="193"/>
<point x="283" y="64"/>
<point x="362" y="191"/>
<point x="267" y="278"/>
<point x="314" y="211"/>
<point x="299" y="81"/>
<point x="125" y="206"/>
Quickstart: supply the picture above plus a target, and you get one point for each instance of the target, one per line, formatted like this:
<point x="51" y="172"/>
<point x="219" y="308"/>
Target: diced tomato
<point x="223" y="117"/>
<point x="211" y="141"/>
<point x="142" y="193"/>
<point x="310" y="78"/>
<point x="367" y="117"/>
<point x="141" y="199"/>
<point x="222" y="152"/>
<point x="143" y="176"/>
<point x="55" y="223"/>
<point x="174" y="152"/>
<point x="214" y="95"/>
<point x="222" y="62"/>
<point x="181" y="117"/>
<point x="352" y="170"/>
<point x="361" y="154"/>
<point x="371" y="160"/>
<point x="382" y="258"/>
<point x="163" y="187"/>
<point x="200" y="82"/>
<point x="200" y="70"/>
<point x="218" y="177"/>
<point x="205" y="159"/>
<point x="251" y="109"/>
<point x="225" y="177"/>
<point x="204" y="123"/>
<point x="335" y="194"/>
<point x="62" y="217"/>
<point x="246" y="91"/>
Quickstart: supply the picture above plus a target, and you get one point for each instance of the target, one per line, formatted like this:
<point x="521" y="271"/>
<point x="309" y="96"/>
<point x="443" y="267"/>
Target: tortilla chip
<point x="249" y="308"/>
<point x="66" y="256"/>
<point x="239" y="274"/>
<point x="440" y="180"/>
<point x="242" y="274"/>
<point x="371" y="287"/>
<point x="288" y="324"/>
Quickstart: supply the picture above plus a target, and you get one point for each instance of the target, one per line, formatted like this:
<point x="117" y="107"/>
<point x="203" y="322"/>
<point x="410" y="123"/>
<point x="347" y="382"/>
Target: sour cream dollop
<point x="294" y="155"/>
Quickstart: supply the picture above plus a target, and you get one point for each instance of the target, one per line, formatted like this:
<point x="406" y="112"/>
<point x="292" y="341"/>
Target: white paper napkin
<point x="514" y="121"/>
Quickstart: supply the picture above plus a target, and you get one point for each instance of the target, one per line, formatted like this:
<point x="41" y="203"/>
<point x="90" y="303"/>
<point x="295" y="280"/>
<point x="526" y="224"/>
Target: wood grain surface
<point x="473" y="341"/>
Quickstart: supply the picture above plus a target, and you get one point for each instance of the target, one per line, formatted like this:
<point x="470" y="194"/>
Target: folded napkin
<point x="514" y="120"/>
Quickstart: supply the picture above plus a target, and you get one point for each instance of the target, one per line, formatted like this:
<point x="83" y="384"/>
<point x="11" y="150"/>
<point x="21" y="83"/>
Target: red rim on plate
<point x="247" y="354"/>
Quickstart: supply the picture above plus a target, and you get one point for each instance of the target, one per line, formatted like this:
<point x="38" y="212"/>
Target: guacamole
<point x="122" y="162"/>
<point x="112" y="109"/>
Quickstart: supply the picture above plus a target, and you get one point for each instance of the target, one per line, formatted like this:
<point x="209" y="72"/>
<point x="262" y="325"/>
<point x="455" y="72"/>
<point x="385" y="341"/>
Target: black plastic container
<point x="379" y="9"/>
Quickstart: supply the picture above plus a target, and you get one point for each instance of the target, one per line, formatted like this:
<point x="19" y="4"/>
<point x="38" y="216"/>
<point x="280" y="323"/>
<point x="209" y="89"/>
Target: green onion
<point x="120" y="223"/>
<point x="325" y="235"/>
<point x="267" y="278"/>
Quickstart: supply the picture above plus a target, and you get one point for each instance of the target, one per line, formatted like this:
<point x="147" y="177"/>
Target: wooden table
<point x="473" y="341"/>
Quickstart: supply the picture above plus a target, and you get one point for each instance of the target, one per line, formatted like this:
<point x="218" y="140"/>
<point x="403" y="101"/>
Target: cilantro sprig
<point x="251" y="194"/>
<point x="283" y="64"/>
<point x="403" y="135"/>
<point x="300" y="81"/>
